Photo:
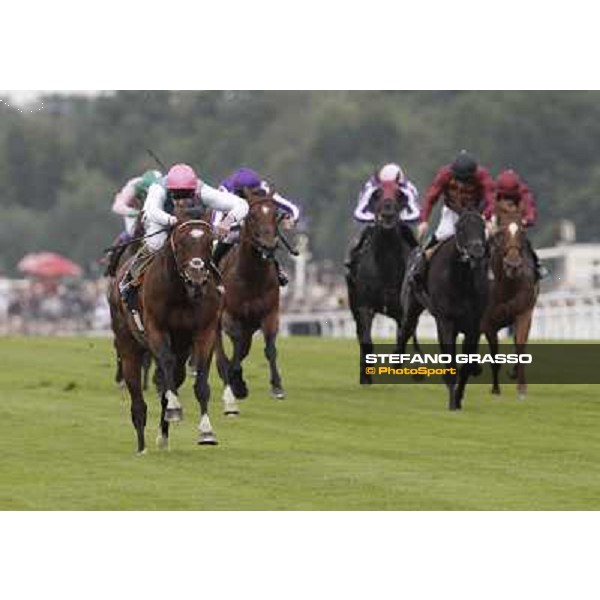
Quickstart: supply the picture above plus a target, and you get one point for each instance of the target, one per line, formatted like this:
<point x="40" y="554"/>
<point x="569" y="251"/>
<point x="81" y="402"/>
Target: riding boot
<point x="355" y="248"/>
<point x="113" y="256"/>
<point x="127" y="286"/>
<point x="541" y="271"/>
<point x="221" y="249"/>
<point x="417" y="267"/>
<point x="281" y="274"/>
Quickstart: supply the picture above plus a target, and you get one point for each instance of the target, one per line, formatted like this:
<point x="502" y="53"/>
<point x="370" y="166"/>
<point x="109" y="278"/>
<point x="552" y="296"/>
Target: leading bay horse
<point x="456" y="294"/>
<point x="375" y="278"/>
<point x="179" y="307"/>
<point x="251" y="299"/>
<point x="514" y="289"/>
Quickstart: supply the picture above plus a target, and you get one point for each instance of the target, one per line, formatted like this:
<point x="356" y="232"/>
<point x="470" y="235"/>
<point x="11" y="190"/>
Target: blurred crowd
<point x="29" y="307"/>
<point x="75" y="306"/>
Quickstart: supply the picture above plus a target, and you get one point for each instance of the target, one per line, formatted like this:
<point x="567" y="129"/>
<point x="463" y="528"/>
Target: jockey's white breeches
<point x="156" y="242"/>
<point x="446" y="226"/>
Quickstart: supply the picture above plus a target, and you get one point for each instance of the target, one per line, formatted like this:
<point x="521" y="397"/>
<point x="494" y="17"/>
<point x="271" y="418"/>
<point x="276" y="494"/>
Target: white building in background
<point x="573" y="267"/>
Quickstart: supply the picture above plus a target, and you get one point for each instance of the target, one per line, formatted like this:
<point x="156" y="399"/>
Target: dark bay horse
<point x="251" y="299"/>
<point x="456" y="296"/>
<point x="179" y="307"/>
<point x="124" y="247"/>
<point x="514" y="291"/>
<point x="375" y="279"/>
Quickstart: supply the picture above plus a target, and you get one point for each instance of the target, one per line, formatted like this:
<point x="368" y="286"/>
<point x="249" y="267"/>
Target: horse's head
<point x="470" y="237"/>
<point x="191" y="243"/>
<point x="511" y="244"/>
<point x="260" y="224"/>
<point x="387" y="204"/>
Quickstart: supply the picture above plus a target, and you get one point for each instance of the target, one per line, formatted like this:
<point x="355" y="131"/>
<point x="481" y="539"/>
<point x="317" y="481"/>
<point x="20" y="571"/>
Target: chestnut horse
<point x="251" y="298"/>
<point x="179" y="308"/>
<point x="514" y="289"/>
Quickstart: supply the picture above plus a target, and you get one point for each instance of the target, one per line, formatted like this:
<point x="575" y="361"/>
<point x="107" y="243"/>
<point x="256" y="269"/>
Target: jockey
<point x="128" y="204"/>
<point x="363" y="213"/>
<point x="287" y="211"/>
<point x="130" y="199"/>
<point x="509" y="186"/>
<point x="462" y="184"/>
<point x="180" y="184"/>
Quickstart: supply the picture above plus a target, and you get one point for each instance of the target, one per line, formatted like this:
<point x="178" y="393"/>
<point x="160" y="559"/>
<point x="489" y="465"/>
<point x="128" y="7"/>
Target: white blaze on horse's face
<point x="266" y="210"/>
<point x="513" y="228"/>
<point x="196" y="233"/>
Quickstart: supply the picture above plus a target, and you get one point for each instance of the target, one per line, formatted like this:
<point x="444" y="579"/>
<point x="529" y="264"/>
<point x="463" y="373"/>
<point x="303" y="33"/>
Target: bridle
<point x="196" y="262"/>
<point x="266" y="252"/>
<point x="463" y="252"/>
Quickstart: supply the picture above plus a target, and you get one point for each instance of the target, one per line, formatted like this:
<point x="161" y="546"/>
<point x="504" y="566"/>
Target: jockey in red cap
<point x="509" y="186"/>
<point x="461" y="184"/>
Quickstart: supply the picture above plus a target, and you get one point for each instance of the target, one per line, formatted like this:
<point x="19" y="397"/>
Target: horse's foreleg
<point x="522" y="327"/>
<point x="242" y="340"/>
<point x="269" y="329"/>
<point x="364" y="321"/>
<point x="492" y="338"/>
<point x="447" y="340"/>
<point x="166" y="360"/>
<point x="203" y="350"/>
<point x="470" y="346"/>
<point x="162" y="439"/>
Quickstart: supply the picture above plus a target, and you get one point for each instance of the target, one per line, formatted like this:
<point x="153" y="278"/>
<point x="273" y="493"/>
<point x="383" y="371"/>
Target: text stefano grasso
<point x="398" y="359"/>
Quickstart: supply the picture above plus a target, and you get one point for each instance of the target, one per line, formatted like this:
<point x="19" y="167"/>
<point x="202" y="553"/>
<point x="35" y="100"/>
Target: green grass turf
<point x="66" y="441"/>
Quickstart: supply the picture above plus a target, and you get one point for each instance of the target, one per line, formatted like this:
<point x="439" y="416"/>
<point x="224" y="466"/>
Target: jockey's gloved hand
<point x="224" y="226"/>
<point x="422" y="229"/>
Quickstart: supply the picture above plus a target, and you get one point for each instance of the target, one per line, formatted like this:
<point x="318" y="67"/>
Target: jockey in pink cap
<point x="181" y="185"/>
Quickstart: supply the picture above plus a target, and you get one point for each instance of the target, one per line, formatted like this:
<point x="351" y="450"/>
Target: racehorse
<point x="375" y="278"/>
<point x="456" y="295"/>
<point x="514" y="290"/>
<point x="179" y="306"/>
<point x="251" y="300"/>
<point x="119" y="253"/>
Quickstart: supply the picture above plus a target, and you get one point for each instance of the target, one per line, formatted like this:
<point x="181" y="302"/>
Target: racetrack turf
<point x="66" y="441"/>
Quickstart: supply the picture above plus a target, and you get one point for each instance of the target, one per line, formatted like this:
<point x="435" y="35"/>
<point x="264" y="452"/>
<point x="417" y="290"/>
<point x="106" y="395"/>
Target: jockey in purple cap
<point x="237" y="183"/>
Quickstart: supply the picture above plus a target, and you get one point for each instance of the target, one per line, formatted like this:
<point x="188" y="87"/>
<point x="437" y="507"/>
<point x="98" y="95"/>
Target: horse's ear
<point x="247" y="193"/>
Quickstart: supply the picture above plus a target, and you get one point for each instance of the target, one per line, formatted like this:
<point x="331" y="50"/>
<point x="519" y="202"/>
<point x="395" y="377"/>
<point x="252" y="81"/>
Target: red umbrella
<point x="48" y="264"/>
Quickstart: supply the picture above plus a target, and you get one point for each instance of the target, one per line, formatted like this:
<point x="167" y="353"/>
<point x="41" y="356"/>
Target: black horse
<point x="375" y="276"/>
<point x="456" y="293"/>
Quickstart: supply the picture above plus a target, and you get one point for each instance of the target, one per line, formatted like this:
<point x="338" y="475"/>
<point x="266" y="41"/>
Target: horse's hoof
<point x="141" y="452"/>
<point x="522" y="396"/>
<point x="232" y="413"/>
<point x="278" y="393"/>
<point x="240" y="391"/>
<point x="207" y="439"/>
<point x="120" y="383"/>
<point x="162" y="442"/>
<point x="496" y="391"/>
<point x="173" y="415"/>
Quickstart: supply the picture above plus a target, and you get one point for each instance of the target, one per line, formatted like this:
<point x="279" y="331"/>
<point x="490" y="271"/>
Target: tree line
<point x="60" y="167"/>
